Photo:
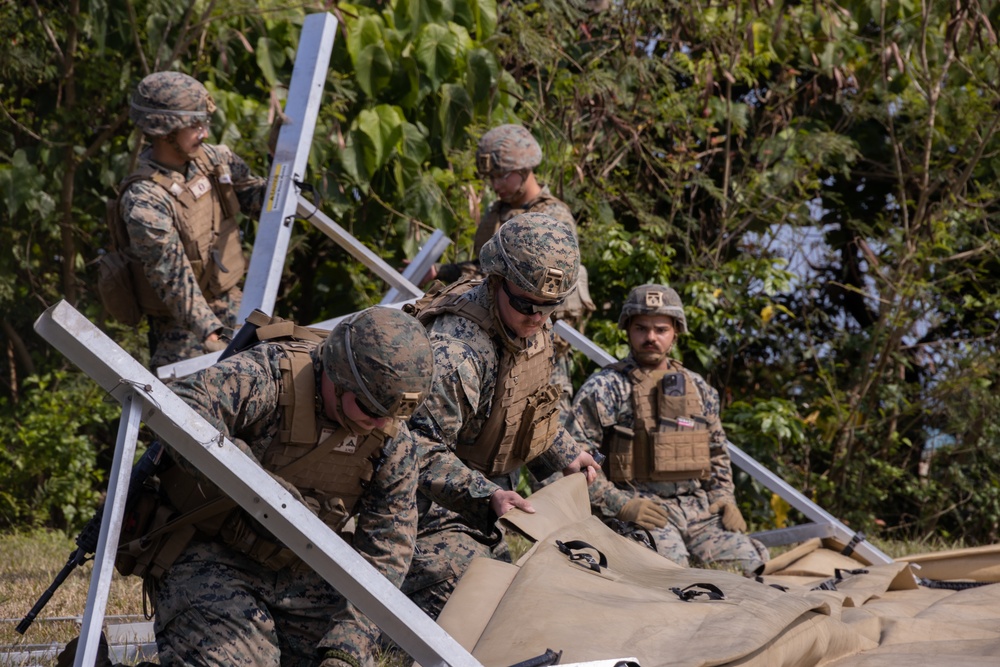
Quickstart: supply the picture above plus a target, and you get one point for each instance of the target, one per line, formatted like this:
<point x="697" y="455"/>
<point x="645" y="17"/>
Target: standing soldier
<point x="492" y="407"/>
<point x="658" y="424"/>
<point x="327" y="420"/>
<point x="176" y="220"/>
<point x="507" y="157"/>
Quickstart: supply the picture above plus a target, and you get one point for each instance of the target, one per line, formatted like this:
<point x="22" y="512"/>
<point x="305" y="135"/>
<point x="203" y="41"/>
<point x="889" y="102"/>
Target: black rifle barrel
<point x="86" y="541"/>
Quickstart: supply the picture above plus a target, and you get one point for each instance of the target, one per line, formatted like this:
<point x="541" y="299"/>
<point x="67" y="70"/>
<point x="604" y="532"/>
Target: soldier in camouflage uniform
<point x="238" y="596"/>
<point x="179" y="210"/>
<point x="492" y="407"/>
<point x="507" y="157"/>
<point x="667" y="466"/>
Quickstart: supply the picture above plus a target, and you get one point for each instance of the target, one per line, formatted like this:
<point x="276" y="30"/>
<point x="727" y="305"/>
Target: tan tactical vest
<point x="330" y="467"/>
<point x="524" y="416"/>
<point x="670" y="440"/>
<point x="205" y="217"/>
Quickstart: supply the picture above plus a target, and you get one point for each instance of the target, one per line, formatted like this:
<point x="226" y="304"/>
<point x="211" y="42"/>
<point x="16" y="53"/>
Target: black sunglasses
<point x="527" y="306"/>
<point x="371" y="414"/>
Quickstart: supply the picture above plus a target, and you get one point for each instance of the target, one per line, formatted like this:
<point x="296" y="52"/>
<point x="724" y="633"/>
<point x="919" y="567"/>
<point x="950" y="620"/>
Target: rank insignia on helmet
<point x="551" y="283"/>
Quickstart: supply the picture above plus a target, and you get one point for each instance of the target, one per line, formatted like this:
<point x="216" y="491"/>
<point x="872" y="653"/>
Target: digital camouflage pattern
<point x="152" y="218"/>
<point x="215" y="605"/>
<point x="605" y="400"/>
<point x="458" y="525"/>
<point x="507" y="148"/>
<point x="653" y="300"/>
<point x="354" y="358"/>
<point x="578" y="305"/>
<point x="167" y="101"/>
<point x="536" y="253"/>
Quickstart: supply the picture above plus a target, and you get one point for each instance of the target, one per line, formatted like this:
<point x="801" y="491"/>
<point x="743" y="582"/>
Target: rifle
<point x="86" y="541"/>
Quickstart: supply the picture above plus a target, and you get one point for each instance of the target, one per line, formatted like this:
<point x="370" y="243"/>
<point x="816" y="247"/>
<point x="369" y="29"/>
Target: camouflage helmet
<point x="653" y="300"/>
<point x="507" y="148"/>
<point x="536" y="252"/>
<point x="164" y="102"/>
<point x="384" y="356"/>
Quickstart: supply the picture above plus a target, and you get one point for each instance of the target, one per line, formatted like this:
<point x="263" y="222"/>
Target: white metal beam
<point x="291" y="154"/>
<point x="111" y="528"/>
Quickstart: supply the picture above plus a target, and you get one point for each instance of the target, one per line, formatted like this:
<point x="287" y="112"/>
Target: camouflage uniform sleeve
<point x="238" y="396"/>
<point x="455" y="399"/>
<point x="385" y="536"/>
<point x="249" y="188"/>
<point x="562" y="452"/>
<point x="720" y="484"/>
<point x="603" y="401"/>
<point x="148" y="213"/>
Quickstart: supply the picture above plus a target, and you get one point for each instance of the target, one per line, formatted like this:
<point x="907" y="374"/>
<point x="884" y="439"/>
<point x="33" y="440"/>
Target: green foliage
<point x="49" y="462"/>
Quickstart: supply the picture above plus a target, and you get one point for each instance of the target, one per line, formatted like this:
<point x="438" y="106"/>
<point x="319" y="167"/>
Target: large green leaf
<point x="454" y="114"/>
<point x="362" y="33"/>
<point x="486" y="18"/>
<point x="373" y="70"/>
<point x="480" y="74"/>
<point x="414" y="145"/>
<point x="415" y="14"/>
<point x="436" y="52"/>
<point x="265" y="61"/>
<point x="380" y="129"/>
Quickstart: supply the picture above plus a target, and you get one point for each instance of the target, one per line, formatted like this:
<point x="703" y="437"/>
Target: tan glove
<point x="644" y="512"/>
<point x="732" y="520"/>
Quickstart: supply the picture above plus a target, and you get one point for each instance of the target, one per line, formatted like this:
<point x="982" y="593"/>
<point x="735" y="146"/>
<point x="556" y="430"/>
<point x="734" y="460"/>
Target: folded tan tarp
<point x="595" y="595"/>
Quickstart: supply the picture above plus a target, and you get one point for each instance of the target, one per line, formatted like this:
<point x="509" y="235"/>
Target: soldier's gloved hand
<point x="644" y="512"/>
<point x="732" y="520"/>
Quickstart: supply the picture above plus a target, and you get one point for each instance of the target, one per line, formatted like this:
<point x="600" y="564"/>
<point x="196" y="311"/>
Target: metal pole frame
<point x="291" y="155"/>
<point x="111" y="528"/>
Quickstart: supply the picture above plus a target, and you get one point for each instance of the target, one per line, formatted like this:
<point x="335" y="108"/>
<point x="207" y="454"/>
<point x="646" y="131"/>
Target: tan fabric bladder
<point x="876" y="617"/>
<point x="973" y="564"/>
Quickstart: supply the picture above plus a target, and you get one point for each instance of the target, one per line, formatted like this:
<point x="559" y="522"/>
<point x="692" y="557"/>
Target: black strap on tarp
<point x="550" y="657"/>
<point x="570" y="548"/>
<point x="689" y="593"/>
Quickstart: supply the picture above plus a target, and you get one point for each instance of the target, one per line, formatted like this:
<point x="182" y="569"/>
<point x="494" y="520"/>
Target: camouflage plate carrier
<point x="204" y="213"/>
<point x="524" y="416"/>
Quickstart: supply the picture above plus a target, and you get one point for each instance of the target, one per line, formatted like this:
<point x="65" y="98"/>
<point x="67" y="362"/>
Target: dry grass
<point x="30" y="562"/>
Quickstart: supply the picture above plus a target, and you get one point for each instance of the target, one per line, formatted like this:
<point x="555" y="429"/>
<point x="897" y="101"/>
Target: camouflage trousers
<point x="217" y="607"/>
<point x="693" y="536"/>
<point x="445" y="548"/>
<point x="170" y="341"/>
